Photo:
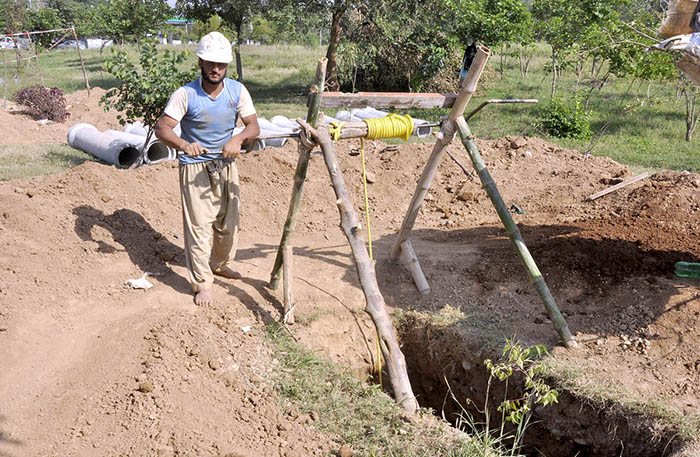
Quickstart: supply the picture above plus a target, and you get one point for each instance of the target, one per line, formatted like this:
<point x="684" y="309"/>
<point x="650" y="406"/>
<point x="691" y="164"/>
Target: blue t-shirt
<point x="209" y="121"/>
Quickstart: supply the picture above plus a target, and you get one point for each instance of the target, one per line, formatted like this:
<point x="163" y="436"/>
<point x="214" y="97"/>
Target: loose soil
<point x="91" y="367"/>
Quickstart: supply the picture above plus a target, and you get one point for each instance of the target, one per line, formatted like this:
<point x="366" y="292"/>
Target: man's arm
<point x="247" y="135"/>
<point x="164" y="132"/>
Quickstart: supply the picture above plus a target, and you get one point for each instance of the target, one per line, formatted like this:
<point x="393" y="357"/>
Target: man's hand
<point x="194" y="149"/>
<point x="232" y="149"/>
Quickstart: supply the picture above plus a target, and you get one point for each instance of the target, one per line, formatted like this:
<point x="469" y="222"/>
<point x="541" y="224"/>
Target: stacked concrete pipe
<point x="156" y="152"/>
<point x="110" y="149"/>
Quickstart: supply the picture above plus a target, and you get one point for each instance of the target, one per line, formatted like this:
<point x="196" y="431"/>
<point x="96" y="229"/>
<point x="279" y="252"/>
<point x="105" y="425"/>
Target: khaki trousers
<point x="210" y="212"/>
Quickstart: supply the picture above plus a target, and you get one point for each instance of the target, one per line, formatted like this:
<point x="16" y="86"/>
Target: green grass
<point x="37" y="159"/>
<point x="358" y="414"/>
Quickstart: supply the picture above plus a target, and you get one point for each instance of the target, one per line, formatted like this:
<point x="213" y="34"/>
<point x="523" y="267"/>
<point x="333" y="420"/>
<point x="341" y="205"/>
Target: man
<point x="207" y="110"/>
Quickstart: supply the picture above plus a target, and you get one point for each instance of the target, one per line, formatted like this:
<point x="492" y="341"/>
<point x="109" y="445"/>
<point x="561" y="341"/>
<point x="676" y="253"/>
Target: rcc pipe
<point x="112" y="150"/>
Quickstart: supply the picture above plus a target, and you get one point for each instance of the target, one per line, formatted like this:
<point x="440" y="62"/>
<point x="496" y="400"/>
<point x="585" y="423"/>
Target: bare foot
<point x="203" y="298"/>
<point x="227" y="272"/>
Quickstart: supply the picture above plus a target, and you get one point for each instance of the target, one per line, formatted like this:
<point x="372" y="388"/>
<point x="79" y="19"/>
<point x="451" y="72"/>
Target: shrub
<point x="43" y="103"/>
<point x="565" y="121"/>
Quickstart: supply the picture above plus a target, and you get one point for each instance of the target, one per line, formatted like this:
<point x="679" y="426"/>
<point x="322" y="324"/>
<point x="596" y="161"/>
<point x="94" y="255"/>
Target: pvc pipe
<point x="105" y="147"/>
<point x="155" y="152"/>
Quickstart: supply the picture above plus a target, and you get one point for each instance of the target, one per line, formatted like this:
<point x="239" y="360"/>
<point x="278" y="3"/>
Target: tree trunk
<point x="554" y="72"/>
<point x="239" y="65"/>
<point x="332" y="82"/>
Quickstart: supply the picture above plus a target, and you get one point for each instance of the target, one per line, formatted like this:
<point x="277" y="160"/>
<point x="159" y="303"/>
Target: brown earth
<point x="90" y="367"/>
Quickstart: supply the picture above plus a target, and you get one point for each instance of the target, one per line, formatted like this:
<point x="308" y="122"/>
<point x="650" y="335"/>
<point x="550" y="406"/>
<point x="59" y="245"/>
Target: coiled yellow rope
<point x="391" y="126"/>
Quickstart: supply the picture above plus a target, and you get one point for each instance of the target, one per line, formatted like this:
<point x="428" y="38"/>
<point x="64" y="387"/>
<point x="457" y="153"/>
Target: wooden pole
<point x="287" y="285"/>
<point x="375" y="305"/>
<point x="536" y="277"/>
<point x="80" y="56"/>
<point x="447" y="132"/>
<point x="410" y="260"/>
<point x="300" y="174"/>
<point x="36" y="56"/>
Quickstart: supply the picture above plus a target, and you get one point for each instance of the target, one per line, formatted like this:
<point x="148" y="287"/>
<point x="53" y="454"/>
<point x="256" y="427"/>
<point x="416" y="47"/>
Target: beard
<point x="210" y="81"/>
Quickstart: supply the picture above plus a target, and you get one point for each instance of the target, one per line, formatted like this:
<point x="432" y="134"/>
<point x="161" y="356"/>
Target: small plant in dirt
<point x="146" y="85"/>
<point x="43" y="102"/>
<point x="518" y="363"/>
<point x="564" y="120"/>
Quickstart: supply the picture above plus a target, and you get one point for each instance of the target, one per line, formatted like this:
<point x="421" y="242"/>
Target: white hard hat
<point x="215" y="47"/>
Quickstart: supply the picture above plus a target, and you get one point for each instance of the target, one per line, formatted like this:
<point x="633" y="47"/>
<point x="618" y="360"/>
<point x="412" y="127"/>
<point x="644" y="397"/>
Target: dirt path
<point x="92" y="368"/>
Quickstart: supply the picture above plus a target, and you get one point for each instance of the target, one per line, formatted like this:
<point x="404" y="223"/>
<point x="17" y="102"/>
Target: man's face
<point x="213" y="72"/>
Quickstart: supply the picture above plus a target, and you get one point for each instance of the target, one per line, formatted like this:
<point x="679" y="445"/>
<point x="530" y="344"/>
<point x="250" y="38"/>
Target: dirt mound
<point x="93" y="368"/>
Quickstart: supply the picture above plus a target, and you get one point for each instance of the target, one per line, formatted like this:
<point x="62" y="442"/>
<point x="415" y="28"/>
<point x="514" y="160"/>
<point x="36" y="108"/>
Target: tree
<point x="44" y="19"/>
<point x="233" y="13"/>
<point x="492" y="22"/>
<point x="12" y="15"/>
<point x="399" y="45"/>
<point x="145" y="86"/>
<point x="125" y="19"/>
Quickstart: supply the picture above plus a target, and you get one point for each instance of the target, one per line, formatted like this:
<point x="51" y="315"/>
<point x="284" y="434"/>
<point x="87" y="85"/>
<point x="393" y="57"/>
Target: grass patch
<point x="38" y="159"/>
<point x="358" y="414"/>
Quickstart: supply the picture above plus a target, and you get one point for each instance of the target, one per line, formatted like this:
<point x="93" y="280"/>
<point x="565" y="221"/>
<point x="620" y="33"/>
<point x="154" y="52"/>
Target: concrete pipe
<point x="112" y="150"/>
<point x="154" y="153"/>
<point x="138" y="128"/>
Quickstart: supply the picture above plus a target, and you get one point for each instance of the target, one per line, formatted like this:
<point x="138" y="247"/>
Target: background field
<point x="649" y="136"/>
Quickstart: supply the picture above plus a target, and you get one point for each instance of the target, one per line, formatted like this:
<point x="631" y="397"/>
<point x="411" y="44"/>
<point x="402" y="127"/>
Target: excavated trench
<point x="437" y="356"/>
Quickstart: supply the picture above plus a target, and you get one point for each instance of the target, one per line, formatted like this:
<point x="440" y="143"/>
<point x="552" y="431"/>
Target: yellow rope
<point x="391" y="126"/>
<point x="335" y="129"/>
<point x="369" y="242"/>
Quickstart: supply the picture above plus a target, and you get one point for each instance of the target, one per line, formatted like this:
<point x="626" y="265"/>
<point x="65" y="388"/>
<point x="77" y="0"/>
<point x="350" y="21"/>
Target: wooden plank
<point x="617" y="186"/>
<point x="387" y="100"/>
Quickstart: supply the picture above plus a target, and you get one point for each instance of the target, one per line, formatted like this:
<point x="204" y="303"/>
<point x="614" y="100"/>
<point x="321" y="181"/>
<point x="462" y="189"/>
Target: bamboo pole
<point x="80" y="56"/>
<point x="516" y="238"/>
<point x="36" y="56"/>
<point x="375" y="305"/>
<point x="447" y="132"/>
<point x="300" y="174"/>
<point x="287" y="286"/>
<point x="410" y="260"/>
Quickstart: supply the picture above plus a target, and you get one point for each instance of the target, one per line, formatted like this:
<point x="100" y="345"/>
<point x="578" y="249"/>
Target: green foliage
<point x="12" y="15"/>
<point x="564" y="120"/>
<point x="492" y="22"/>
<point x="290" y="25"/>
<point x="44" y="19"/>
<point x="213" y="24"/>
<point x="397" y="46"/>
<point x="126" y="19"/>
<point x="43" y="103"/>
<point x="145" y="87"/>
<point x="520" y="364"/>
<point x="233" y="14"/>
